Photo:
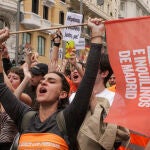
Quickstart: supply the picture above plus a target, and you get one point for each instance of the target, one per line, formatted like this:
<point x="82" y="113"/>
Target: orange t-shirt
<point x="42" y="141"/>
<point x="112" y="88"/>
<point x="73" y="87"/>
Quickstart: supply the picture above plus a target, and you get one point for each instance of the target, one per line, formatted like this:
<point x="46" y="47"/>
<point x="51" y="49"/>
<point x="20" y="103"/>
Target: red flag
<point x="129" y="52"/>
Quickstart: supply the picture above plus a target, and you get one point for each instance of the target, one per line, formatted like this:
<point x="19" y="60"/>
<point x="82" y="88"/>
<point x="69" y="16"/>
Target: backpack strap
<point x="14" y="145"/>
<point x="26" y="118"/>
<point x="25" y="121"/>
<point x="60" y="119"/>
<point x="61" y="122"/>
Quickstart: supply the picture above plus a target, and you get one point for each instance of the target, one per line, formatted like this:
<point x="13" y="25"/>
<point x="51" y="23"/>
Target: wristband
<point x="97" y="36"/>
<point x="57" y="44"/>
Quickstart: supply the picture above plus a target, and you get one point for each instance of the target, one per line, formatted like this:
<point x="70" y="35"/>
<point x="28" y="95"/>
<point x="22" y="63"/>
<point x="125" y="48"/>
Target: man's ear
<point x="63" y="94"/>
<point x="104" y="74"/>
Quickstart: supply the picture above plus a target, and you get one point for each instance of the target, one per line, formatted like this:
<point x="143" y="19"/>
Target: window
<point x="111" y="14"/>
<point x="26" y="38"/>
<point x="107" y="8"/>
<point x="100" y="2"/>
<point x="35" y="6"/>
<point x="63" y="1"/>
<point x="122" y="6"/>
<point x="45" y="12"/>
<point x="41" y="45"/>
<point x="116" y="13"/>
<point x="61" y="17"/>
<point x="3" y="23"/>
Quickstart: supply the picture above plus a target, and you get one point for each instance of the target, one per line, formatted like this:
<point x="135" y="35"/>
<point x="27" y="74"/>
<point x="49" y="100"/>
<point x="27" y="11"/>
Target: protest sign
<point x="81" y="44"/>
<point x="128" y="43"/>
<point x="72" y="33"/>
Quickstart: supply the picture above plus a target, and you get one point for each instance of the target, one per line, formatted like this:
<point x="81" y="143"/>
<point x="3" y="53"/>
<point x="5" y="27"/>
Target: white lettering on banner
<point x="144" y="80"/>
<point x="137" y="75"/>
<point x="124" y="56"/>
<point x="131" y="86"/>
<point x="148" y="52"/>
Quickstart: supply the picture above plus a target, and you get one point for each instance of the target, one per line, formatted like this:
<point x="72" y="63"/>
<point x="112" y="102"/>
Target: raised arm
<point x="56" y="43"/>
<point x="74" y="63"/>
<point x="53" y="63"/>
<point x="7" y="82"/>
<point x="63" y="65"/>
<point x="11" y="104"/>
<point x="75" y="113"/>
<point x="18" y="92"/>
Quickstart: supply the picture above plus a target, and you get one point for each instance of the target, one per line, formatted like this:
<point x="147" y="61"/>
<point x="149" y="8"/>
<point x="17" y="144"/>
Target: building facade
<point x="41" y="14"/>
<point x="134" y="8"/>
<point x="105" y="9"/>
<point x="36" y="14"/>
<point x="8" y="11"/>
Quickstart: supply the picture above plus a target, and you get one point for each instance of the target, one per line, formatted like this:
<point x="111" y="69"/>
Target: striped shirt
<point x="8" y="128"/>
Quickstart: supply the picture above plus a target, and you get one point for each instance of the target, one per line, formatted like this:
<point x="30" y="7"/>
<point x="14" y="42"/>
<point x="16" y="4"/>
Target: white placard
<point x="81" y="44"/>
<point x="72" y="32"/>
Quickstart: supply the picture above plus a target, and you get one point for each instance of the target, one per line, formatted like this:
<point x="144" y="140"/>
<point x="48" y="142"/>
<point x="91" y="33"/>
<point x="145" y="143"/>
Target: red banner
<point x="129" y="52"/>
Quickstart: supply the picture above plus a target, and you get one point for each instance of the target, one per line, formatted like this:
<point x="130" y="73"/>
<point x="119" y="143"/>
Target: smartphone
<point x="70" y="46"/>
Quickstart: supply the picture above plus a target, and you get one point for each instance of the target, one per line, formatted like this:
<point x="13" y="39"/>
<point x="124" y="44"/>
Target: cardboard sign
<point x="81" y="44"/>
<point x="72" y="33"/>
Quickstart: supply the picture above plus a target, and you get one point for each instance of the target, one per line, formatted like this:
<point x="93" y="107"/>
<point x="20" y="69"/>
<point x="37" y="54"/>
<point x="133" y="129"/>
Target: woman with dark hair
<point x="16" y="79"/>
<point x="65" y="87"/>
<point x="18" y="71"/>
<point x="8" y="128"/>
<point x="42" y="131"/>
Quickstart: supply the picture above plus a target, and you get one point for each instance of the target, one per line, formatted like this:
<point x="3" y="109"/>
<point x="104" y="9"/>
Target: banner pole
<point x="50" y="28"/>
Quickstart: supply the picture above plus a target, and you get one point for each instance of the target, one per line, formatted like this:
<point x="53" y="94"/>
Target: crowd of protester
<point x="50" y="89"/>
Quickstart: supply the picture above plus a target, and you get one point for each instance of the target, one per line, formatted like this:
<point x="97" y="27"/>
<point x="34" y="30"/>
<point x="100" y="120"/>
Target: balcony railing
<point x="45" y="24"/>
<point x="31" y="20"/>
<point x="95" y="8"/>
<point x="89" y="5"/>
<point x="144" y="5"/>
<point x="10" y="6"/>
<point x="48" y="3"/>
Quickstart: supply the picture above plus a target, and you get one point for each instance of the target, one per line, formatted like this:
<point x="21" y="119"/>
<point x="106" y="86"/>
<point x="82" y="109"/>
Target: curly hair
<point x="18" y="71"/>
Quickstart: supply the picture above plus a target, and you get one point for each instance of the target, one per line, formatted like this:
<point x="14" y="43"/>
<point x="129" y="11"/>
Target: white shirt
<point x="109" y="95"/>
<point x="72" y="97"/>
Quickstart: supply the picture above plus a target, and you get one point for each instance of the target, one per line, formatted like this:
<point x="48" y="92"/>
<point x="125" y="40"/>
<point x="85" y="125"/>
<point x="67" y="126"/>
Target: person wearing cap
<point x="37" y="72"/>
